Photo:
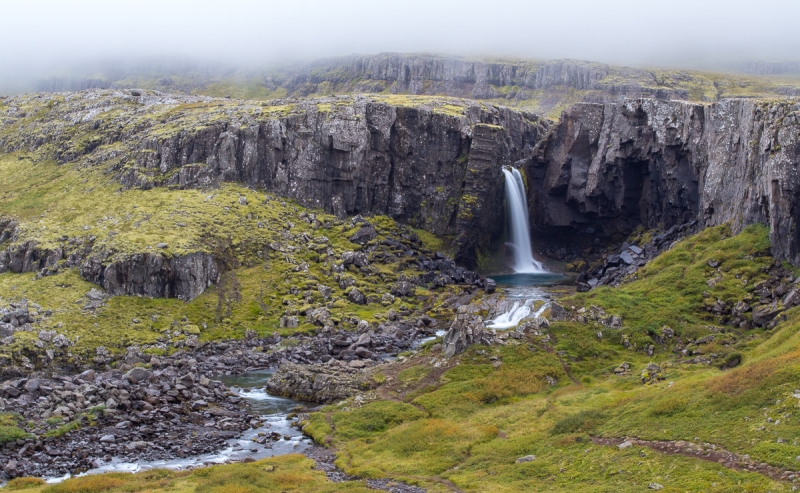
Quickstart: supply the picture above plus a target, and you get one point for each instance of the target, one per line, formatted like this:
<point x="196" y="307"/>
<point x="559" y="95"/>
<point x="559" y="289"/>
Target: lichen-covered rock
<point x="652" y="373"/>
<point x="317" y="383"/>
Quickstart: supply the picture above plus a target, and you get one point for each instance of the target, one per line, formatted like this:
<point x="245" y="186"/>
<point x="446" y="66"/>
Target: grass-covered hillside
<point x="281" y="259"/>
<point x="555" y="409"/>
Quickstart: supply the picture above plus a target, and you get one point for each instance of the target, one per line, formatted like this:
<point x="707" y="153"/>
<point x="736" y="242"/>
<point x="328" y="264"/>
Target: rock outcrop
<point x="606" y="169"/>
<point x="147" y="274"/>
<point x="435" y="165"/>
<point x="467" y="329"/>
<point x="317" y="383"/>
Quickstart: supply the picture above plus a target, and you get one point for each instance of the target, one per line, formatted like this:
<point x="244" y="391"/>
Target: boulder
<point x="138" y="374"/>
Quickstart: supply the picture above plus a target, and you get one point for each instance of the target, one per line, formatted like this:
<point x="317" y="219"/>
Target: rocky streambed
<point x="197" y="406"/>
<point x="217" y="402"/>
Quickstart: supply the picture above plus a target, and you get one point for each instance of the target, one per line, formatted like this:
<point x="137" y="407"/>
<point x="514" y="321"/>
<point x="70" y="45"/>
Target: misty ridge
<point x="263" y="50"/>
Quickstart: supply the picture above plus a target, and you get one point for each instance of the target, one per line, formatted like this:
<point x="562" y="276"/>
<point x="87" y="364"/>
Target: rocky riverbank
<point x="153" y="407"/>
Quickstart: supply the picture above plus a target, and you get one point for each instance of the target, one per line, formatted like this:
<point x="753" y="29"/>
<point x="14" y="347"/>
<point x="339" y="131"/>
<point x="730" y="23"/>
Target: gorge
<point x="159" y="241"/>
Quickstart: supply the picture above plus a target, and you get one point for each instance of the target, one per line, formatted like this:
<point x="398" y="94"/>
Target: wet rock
<point x="491" y="286"/>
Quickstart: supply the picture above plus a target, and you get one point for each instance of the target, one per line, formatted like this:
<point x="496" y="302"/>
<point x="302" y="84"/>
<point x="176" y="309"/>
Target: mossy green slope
<point x="480" y="416"/>
<point x="276" y="253"/>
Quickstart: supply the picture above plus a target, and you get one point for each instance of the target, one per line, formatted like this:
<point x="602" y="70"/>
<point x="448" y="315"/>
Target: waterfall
<point x="523" y="263"/>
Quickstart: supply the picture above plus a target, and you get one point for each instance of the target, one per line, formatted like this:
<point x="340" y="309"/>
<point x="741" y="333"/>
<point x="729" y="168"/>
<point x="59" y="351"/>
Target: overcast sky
<point x="44" y="34"/>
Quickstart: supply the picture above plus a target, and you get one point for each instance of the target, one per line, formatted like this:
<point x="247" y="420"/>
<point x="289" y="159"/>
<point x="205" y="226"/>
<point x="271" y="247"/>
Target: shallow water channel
<point x="268" y="409"/>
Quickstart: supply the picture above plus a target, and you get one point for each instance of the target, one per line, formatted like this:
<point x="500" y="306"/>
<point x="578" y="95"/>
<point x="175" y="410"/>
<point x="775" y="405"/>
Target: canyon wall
<point x="600" y="172"/>
<point x="433" y="164"/>
<point x="607" y="168"/>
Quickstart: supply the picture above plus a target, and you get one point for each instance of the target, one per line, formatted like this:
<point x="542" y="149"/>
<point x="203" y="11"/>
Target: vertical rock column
<point x="480" y="210"/>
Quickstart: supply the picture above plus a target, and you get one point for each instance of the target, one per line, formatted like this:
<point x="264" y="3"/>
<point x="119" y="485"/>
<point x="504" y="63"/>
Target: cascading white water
<point x="516" y="314"/>
<point x="524" y="263"/>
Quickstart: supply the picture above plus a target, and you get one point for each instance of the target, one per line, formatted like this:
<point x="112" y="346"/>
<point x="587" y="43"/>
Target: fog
<point x="45" y="36"/>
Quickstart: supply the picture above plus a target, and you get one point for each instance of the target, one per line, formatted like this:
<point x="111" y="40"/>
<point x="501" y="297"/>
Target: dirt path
<point x="704" y="451"/>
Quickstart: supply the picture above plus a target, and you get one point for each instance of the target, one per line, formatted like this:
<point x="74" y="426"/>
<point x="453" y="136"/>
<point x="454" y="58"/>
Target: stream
<point x="526" y="296"/>
<point x="268" y="409"/>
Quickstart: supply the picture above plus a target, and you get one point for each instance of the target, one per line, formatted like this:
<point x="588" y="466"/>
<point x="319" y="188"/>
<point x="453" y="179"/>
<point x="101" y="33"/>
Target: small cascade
<point x="523" y="263"/>
<point x="517" y="313"/>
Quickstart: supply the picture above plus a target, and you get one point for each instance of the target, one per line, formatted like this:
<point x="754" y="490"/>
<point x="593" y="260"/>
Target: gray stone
<point x="32" y="385"/>
<point x="138" y="374"/>
<point x="356" y="297"/>
<point x="364" y="235"/>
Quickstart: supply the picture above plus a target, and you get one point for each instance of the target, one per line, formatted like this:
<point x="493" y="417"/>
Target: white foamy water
<point x="517" y="203"/>
<point x="525" y="298"/>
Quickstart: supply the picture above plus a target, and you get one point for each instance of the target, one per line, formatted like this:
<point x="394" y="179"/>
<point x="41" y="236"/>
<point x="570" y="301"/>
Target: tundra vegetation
<point x="565" y="407"/>
<point x="556" y="394"/>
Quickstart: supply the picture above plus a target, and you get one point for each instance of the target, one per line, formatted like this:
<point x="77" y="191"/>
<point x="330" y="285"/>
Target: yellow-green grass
<point x="472" y="425"/>
<point x="52" y="202"/>
<point x="10" y="429"/>
<point x="285" y="474"/>
<point x="673" y="289"/>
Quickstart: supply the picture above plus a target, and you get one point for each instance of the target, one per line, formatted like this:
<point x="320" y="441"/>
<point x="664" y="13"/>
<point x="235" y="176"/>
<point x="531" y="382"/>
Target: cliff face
<point x="607" y="168"/>
<point x="434" y="164"/>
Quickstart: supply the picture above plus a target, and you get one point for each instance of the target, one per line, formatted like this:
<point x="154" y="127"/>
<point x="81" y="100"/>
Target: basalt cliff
<point x="610" y="168"/>
<point x="434" y="163"/>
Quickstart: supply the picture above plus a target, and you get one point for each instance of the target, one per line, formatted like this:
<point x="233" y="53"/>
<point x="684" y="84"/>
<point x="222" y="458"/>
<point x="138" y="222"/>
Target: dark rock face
<point x="606" y="169"/>
<point x="430" y="166"/>
<point x="154" y="275"/>
<point x="431" y="170"/>
<point x="28" y="257"/>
